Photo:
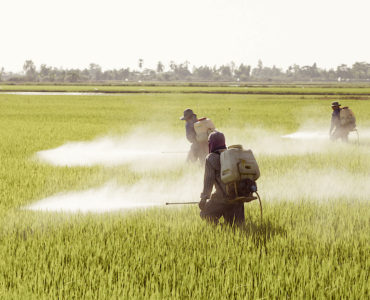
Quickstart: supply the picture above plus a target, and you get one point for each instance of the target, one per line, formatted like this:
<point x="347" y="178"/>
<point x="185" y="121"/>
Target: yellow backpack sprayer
<point x="348" y="121"/>
<point x="203" y="129"/>
<point x="239" y="172"/>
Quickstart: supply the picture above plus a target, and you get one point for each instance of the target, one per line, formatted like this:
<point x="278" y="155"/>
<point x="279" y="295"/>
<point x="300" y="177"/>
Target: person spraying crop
<point x="232" y="171"/>
<point x="197" y="131"/>
<point x="343" y="121"/>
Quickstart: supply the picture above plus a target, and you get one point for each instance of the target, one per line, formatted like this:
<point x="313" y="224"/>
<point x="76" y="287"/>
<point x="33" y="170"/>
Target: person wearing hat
<point x="198" y="150"/>
<point x="337" y="131"/>
<point x="217" y="205"/>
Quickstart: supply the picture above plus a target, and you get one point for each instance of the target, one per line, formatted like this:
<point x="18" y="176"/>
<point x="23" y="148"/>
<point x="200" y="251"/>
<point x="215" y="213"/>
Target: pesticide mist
<point x="307" y="135"/>
<point x="292" y="186"/>
<point x="113" y="197"/>
<point x="147" y="153"/>
<point x="144" y="151"/>
<point x="140" y="150"/>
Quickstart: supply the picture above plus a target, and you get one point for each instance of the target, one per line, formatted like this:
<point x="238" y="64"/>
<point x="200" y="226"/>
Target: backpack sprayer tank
<point x="347" y="118"/>
<point x="348" y="121"/>
<point x="239" y="172"/>
<point x="203" y="128"/>
<point x="238" y="164"/>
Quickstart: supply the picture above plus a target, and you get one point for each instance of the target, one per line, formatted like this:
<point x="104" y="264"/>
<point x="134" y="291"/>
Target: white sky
<point x="116" y="33"/>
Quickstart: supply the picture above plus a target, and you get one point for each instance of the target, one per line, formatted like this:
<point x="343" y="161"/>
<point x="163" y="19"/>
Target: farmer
<point x="337" y="130"/>
<point x="198" y="150"/>
<point x="217" y="205"/>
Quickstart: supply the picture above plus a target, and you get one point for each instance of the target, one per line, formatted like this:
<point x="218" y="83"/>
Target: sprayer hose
<point x="259" y="199"/>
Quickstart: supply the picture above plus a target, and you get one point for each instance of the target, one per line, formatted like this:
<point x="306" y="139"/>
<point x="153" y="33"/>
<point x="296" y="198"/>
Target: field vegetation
<point x="309" y="245"/>
<point x="203" y="88"/>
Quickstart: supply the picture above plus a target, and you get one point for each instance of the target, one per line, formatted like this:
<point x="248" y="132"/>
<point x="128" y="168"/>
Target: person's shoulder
<point x="214" y="160"/>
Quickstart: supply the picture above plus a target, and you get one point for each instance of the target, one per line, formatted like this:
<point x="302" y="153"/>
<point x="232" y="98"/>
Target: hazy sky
<point x="116" y="33"/>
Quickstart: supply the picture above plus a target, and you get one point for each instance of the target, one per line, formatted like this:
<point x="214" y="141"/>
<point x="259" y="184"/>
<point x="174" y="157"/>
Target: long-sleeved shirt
<point x="335" y="119"/>
<point x="190" y="131"/>
<point x="212" y="177"/>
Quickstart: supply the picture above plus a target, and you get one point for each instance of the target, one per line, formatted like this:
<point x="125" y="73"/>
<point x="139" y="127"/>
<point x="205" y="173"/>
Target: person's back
<point x="337" y="131"/>
<point x="335" y="117"/>
<point x="198" y="150"/>
<point x="189" y="128"/>
<point x="217" y="205"/>
<point x="212" y="177"/>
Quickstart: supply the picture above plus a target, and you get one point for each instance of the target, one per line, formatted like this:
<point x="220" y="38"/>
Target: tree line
<point x="359" y="71"/>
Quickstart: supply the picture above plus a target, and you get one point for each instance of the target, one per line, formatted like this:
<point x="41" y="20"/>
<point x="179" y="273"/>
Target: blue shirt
<point x="335" y="118"/>
<point x="190" y="131"/>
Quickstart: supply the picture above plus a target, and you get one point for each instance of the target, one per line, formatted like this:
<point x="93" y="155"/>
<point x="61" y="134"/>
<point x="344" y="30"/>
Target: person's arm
<point x="209" y="180"/>
<point x="190" y="134"/>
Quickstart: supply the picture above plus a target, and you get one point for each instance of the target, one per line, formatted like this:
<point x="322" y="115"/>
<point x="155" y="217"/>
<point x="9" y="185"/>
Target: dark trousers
<point x="340" y="133"/>
<point x="232" y="213"/>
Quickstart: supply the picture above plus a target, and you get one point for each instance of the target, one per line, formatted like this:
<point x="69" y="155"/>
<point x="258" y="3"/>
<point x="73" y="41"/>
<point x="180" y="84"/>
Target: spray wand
<point x="172" y="203"/>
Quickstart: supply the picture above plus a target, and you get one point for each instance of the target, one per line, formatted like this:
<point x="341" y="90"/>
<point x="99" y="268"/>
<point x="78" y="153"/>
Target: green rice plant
<point x="203" y="88"/>
<point x="310" y="245"/>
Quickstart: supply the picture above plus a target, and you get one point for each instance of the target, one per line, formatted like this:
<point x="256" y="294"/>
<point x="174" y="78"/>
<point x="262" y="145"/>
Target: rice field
<point x="347" y="89"/>
<point x="313" y="241"/>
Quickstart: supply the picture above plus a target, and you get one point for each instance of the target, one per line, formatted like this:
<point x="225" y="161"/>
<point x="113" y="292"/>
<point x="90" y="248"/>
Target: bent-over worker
<point x="198" y="150"/>
<point x="217" y="205"/>
<point x="337" y="130"/>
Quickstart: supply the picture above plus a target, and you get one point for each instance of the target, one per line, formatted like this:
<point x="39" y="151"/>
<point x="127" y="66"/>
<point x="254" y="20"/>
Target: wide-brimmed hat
<point x="335" y="103"/>
<point x="187" y="114"/>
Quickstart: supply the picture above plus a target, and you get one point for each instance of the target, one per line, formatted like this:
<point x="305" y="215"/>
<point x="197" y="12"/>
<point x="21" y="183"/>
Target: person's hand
<point x="202" y="204"/>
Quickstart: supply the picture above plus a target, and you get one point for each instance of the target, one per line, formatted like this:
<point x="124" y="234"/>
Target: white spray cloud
<point x="140" y="150"/>
<point x="316" y="185"/>
<point x="112" y="197"/>
<point x="264" y="142"/>
<point x="312" y="185"/>
<point x="144" y="150"/>
<point x="307" y="135"/>
<point x="275" y="145"/>
<point x="312" y="130"/>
